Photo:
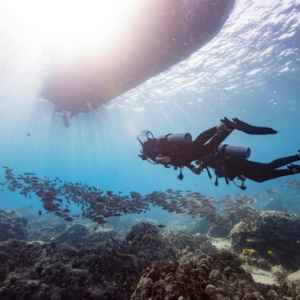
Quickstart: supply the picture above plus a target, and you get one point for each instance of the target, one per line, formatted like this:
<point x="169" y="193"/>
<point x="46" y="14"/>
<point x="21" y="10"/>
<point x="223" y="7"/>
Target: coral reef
<point x="54" y="271"/>
<point x="173" y="263"/>
<point x="84" y="233"/>
<point x="45" y="228"/>
<point x="214" y="276"/>
<point x="189" y="243"/>
<point x="12" y="226"/>
<point x="275" y="231"/>
<point x="149" y="245"/>
<point x="110" y="270"/>
<point x="292" y="283"/>
<point x="52" y="228"/>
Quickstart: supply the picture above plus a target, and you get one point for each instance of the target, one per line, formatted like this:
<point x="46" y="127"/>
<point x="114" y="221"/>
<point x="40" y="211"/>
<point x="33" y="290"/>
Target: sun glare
<point x="67" y="24"/>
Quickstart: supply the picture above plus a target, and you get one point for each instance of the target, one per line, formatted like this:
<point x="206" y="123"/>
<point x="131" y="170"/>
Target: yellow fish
<point x="270" y="253"/>
<point x="246" y="251"/>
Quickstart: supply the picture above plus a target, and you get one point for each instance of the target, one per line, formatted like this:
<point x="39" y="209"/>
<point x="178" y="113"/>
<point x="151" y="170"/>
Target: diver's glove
<point x="163" y="160"/>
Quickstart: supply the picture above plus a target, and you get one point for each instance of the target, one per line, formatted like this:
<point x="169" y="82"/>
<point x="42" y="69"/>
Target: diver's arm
<point x="162" y="159"/>
<point x="195" y="170"/>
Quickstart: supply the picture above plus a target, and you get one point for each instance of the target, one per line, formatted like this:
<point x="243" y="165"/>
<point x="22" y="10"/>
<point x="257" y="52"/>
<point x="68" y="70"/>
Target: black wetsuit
<point x="184" y="154"/>
<point x="232" y="167"/>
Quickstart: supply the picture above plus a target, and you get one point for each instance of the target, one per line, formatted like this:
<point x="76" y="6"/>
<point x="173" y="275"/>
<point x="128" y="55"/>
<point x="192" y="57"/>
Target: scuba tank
<point x="218" y="163"/>
<point x="180" y="138"/>
<point x="234" y="151"/>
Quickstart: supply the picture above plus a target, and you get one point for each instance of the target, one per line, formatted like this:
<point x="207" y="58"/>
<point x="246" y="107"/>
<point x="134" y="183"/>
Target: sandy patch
<point x="221" y="243"/>
<point x="261" y="276"/>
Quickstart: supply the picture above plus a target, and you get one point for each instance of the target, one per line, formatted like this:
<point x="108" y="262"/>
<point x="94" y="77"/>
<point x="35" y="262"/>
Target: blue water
<point x="250" y="70"/>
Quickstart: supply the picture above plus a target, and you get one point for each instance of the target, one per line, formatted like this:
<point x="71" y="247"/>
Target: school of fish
<point x="97" y="205"/>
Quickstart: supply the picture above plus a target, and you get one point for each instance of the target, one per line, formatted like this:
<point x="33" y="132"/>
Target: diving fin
<point x="249" y="129"/>
<point x="256" y="129"/>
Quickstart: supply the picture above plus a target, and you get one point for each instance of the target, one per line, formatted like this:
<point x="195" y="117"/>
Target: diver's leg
<point x="209" y="133"/>
<point x="261" y="177"/>
<point x="278" y="163"/>
<point x="261" y="167"/>
<point x="216" y="140"/>
<point x="281" y="162"/>
<point x="206" y="135"/>
<point x="260" y="172"/>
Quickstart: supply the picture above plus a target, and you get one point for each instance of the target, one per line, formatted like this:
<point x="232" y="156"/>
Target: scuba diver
<point x="232" y="163"/>
<point x="178" y="150"/>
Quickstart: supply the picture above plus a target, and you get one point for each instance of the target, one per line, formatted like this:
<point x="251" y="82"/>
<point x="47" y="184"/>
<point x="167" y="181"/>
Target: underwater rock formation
<point x="54" y="271"/>
<point x="292" y="284"/>
<point x="79" y="233"/>
<point x="214" y="276"/>
<point x="45" y="229"/>
<point x="196" y="243"/>
<point x="110" y="270"/>
<point x="53" y="228"/>
<point x="12" y="226"/>
<point x="149" y="244"/>
<point x="275" y="231"/>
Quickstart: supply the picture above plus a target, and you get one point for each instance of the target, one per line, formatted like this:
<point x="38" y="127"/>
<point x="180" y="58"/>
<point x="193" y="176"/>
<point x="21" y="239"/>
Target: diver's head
<point x="148" y="147"/>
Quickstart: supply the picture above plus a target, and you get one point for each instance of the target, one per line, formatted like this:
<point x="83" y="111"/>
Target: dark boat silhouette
<point x="161" y="34"/>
